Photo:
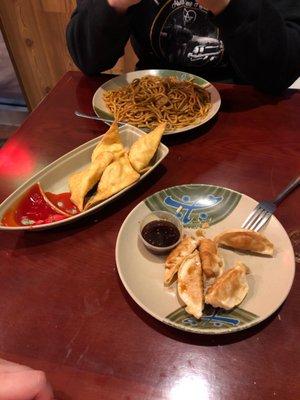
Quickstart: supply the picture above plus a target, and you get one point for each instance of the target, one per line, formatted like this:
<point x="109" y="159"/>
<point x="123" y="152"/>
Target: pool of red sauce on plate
<point x="63" y="202"/>
<point x="33" y="209"/>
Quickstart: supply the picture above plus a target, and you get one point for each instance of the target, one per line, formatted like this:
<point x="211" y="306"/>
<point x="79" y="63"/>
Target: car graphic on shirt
<point x="205" y="47"/>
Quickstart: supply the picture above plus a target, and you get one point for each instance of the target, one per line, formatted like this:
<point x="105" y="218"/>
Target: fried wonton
<point x="229" y="289"/>
<point x="212" y="263"/>
<point x="111" y="142"/>
<point x="247" y="240"/>
<point x="190" y="284"/>
<point x="143" y="150"/>
<point x="177" y="255"/>
<point x="118" y="175"/>
<point x="81" y="182"/>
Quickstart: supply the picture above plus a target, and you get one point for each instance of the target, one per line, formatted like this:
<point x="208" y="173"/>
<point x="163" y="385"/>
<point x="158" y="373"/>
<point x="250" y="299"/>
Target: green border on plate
<point x="214" y="204"/>
<point x="215" y="319"/>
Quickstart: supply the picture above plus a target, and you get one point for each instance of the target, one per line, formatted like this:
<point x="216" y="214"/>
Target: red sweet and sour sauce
<point x="33" y="209"/>
<point x="63" y="202"/>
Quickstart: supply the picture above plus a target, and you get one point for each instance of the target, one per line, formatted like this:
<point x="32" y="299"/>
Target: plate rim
<point x="35" y="178"/>
<point x="177" y="326"/>
<point x="207" y="85"/>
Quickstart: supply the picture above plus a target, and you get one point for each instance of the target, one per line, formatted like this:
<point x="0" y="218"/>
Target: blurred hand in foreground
<point x="121" y="6"/>
<point x="215" y="6"/>
<point x="18" y="382"/>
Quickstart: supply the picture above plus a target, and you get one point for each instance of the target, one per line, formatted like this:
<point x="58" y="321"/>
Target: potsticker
<point x="212" y="263"/>
<point x="118" y="175"/>
<point x="229" y="289"/>
<point x="143" y="150"/>
<point x="247" y="240"/>
<point x="110" y="141"/>
<point x="177" y="255"/>
<point x="81" y="182"/>
<point x="190" y="284"/>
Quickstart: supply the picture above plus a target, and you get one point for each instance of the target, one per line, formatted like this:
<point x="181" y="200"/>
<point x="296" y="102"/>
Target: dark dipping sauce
<point x="160" y="233"/>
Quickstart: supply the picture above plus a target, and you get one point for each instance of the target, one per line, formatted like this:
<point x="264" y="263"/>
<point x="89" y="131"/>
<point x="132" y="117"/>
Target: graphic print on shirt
<point x="183" y="34"/>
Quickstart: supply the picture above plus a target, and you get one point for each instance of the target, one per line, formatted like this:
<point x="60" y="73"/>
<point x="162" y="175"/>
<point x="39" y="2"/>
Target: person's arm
<point x="262" y="39"/>
<point x="97" y="34"/>
<point x="18" y="382"/>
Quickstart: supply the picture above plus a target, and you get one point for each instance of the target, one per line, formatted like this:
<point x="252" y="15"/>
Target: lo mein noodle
<point x="150" y="100"/>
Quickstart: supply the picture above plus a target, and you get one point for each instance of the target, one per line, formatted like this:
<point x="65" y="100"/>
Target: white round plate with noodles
<point x="142" y="273"/>
<point x="120" y="81"/>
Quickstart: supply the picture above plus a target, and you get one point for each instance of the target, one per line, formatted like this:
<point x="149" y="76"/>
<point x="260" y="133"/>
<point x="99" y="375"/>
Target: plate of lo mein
<point x="146" y="98"/>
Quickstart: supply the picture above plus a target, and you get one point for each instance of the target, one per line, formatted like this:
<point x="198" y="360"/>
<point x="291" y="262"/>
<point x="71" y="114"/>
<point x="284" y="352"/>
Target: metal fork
<point x="264" y="210"/>
<point x="106" y="120"/>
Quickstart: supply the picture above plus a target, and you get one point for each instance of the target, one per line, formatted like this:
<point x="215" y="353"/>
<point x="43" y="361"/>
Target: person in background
<point x="255" y="42"/>
<point x="18" y="382"/>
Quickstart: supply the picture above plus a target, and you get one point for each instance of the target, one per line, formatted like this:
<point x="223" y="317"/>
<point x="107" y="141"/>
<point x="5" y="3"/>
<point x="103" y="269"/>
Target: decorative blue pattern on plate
<point x="188" y="206"/>
<point x="194" y="204"/>
<point x="212" y="318"/>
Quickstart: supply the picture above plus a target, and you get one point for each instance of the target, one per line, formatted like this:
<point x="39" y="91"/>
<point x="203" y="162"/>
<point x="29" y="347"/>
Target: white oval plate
<point x="54" y="177"/>
<point x="142" y="273"/>
<point x="116" y="83"/>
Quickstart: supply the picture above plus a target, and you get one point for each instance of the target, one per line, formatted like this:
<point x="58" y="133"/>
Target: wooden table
<point x="63" y="308"/>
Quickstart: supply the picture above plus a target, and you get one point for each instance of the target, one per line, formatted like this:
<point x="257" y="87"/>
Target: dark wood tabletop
<point x="63" y="308"/>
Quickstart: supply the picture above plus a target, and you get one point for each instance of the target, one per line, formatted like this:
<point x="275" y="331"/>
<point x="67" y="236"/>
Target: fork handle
<point x="106" y="120"/>
<point x="291" y="186"/>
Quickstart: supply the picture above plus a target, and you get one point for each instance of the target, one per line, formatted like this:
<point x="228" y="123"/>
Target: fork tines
<point x="257" y="219"/>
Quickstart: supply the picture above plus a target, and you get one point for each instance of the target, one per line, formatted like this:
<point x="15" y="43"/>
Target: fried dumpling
<point x="229" y="289"/>
<point x="177" y="255"/>
<point x="118" y="175"/>
<point x="247" y="240"/>
<point x="212" y="263"/>
<point x="143" y="150"/>
<point x="111" y="142"/>
<point x="81" y="182"/>
<point x="190" y="284"/>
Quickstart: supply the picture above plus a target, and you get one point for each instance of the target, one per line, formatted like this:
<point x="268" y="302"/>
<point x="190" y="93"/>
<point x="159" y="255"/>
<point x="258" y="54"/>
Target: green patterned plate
<point x="102" y="111"/>
<point x="142" y="273"/>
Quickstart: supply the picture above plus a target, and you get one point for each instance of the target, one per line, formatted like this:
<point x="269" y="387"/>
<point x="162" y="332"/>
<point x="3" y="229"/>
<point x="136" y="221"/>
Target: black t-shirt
<point x="179" y="32"/>
<point x="255" y="41"/>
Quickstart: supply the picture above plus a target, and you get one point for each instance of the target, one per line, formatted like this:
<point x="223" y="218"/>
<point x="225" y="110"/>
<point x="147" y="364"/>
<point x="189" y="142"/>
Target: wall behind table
<point x="34" y="31"/>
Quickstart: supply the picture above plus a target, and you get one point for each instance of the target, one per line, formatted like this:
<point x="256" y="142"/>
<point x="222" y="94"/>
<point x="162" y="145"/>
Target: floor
<point x="13" y="109"/>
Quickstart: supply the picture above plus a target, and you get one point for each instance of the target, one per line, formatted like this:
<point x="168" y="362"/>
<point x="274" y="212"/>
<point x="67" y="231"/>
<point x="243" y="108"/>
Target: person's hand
<point x="18" y="382"/>
<point x="121" y="6"/>
<point x="215" y="6"/>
